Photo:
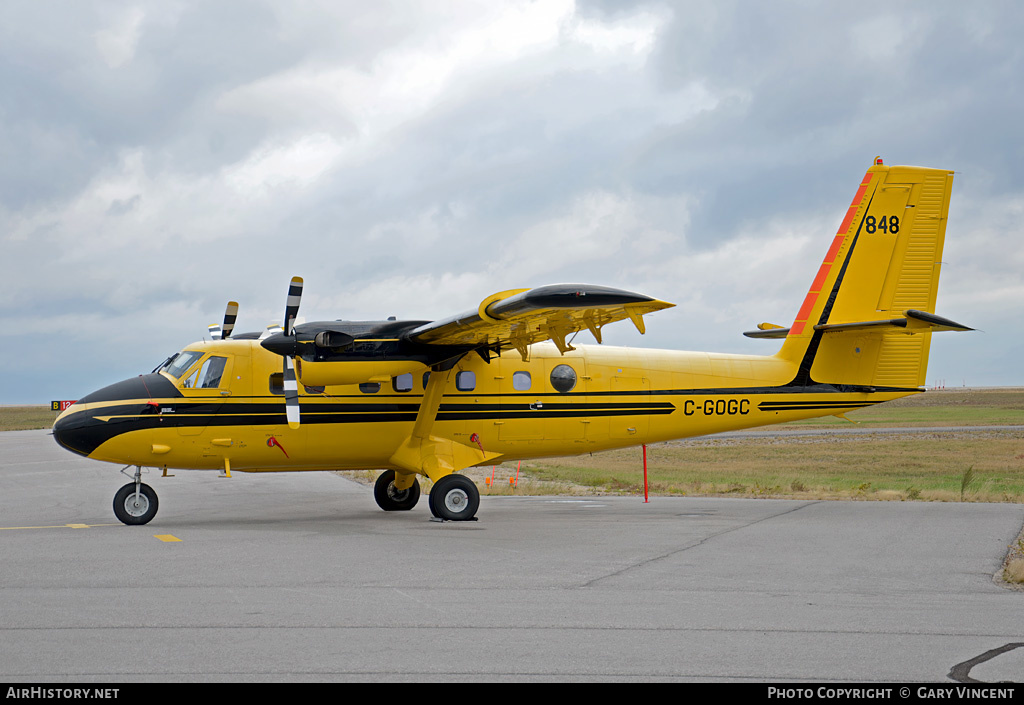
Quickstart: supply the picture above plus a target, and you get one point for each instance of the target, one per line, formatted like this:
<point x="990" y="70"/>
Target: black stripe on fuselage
<point x="817" y="406"/>
<point x="263" y="414"/>
<point x="84" y="431"/>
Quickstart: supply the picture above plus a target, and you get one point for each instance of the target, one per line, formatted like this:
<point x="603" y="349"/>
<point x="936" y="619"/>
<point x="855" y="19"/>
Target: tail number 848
<point x="885" y="224"/>
<point x="717" y="407"/>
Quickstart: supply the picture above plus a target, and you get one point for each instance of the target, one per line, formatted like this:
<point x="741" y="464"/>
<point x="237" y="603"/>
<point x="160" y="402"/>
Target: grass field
<point x="24" y="418"/>
<point x="986" y="466"/>
<point x="974" y="466"/>
<point x="954" y="407"/>
<point x="882" y="466"/>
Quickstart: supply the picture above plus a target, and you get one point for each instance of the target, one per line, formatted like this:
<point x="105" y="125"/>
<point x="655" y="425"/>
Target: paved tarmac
<point x="299" y="577"/>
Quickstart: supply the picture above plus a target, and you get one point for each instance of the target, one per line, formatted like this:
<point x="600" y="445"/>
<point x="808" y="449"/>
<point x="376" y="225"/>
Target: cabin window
<point x="563" y="378"/>
<point x="277" y="385"/>
<point x="465" y="381"/>
<point x="369" y="387"/>
<point x="521" y="381"/>
<point x="402" y="383"/>
<point x="211" y="372"/>
<point x="182" y="361"/>
<point x="426" y="378"/>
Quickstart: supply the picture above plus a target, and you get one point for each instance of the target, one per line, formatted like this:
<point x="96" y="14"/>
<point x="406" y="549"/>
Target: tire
<point x="454" y="498"/>
<point x="391" y="500"/>
<point x="128" y="512"/>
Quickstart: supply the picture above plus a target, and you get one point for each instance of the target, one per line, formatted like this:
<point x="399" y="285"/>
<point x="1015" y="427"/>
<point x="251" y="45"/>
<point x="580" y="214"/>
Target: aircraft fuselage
<point x="606" y="397"/>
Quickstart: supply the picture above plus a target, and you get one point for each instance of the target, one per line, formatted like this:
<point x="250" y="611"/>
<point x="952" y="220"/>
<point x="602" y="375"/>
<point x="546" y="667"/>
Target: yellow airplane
<point x="504" y="381"/>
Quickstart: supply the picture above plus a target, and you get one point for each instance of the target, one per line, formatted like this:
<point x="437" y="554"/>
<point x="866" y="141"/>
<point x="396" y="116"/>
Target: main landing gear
<point x="391" y="499"/>
<point x="453" y="497"/>
<point x="136" y="502"/>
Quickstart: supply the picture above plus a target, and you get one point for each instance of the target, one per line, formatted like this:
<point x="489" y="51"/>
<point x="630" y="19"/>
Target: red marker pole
<point x="646" y="500"/>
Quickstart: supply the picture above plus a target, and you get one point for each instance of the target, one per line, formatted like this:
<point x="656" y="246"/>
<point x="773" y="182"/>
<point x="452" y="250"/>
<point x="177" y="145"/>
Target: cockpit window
<point x="181" y="362"/>
<point x="211" y="372"/>
<point x="163" y="365"/>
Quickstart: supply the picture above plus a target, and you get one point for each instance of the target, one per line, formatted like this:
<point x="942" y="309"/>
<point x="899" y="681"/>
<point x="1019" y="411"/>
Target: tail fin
<point x="868" y="317"/>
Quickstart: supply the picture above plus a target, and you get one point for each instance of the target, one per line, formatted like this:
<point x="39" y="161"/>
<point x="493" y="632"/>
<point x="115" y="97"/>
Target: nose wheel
<point x="135" y="503"/>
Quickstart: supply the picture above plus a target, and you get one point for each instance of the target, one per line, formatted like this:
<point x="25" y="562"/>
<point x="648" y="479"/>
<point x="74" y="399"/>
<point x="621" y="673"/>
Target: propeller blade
<point x="291" y="394"/>
<point x="291" y="385"/>
<point x="271" y="329"/>
<point x="214" y="331"/>
<point x="291" y="309"/>
<point x="230" y="314"/>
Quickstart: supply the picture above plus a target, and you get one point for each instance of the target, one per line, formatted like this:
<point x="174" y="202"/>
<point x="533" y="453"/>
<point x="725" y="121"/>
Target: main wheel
<point x="131" y="510"/>
<point x="391" y="499"/>
<point x="454" y="497"/>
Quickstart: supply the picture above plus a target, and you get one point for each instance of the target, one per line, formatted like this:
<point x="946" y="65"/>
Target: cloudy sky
<point x="411" y="158"/>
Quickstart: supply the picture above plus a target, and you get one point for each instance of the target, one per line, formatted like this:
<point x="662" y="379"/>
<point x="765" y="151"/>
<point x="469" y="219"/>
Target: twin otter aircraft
<point x="503" y="382"/>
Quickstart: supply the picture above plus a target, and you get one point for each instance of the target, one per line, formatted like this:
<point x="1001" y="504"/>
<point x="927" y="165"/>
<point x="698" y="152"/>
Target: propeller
<point x="291" y="385"/>
<point x="284" y="341"/>
<point x="224" y="332"/>
<point x="272" y="329"/>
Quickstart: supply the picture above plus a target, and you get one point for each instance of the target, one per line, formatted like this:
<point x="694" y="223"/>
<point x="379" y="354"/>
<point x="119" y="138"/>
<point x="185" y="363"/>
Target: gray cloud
<point x="159" y="159"/>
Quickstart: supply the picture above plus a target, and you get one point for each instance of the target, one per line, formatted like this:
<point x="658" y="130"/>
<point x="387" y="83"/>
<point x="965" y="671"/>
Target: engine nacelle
<point x="324" y="374"/>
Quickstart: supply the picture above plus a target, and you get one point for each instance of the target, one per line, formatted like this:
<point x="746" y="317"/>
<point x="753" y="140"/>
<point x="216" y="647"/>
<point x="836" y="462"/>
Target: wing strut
<point x="431" y="455"/>
<point x="425" y="417"/>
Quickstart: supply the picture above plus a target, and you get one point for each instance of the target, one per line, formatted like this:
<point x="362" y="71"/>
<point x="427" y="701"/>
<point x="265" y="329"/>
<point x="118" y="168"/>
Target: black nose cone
<point x="82" y="430"/>
<point x="74" y="430"/>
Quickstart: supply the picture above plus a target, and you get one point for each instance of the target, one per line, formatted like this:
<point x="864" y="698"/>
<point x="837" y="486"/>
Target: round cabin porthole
<point x="563" y="378"/>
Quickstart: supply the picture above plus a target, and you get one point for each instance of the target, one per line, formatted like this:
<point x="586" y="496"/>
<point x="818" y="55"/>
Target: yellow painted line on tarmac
<point x="57" y="526"/>
<point x="166" y="538"/>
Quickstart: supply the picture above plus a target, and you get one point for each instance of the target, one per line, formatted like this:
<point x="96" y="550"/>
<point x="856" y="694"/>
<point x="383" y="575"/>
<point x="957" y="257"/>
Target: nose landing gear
<point x="136" y="502"/>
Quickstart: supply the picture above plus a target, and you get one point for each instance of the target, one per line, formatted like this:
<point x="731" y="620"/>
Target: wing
<point x="520" y="317"/>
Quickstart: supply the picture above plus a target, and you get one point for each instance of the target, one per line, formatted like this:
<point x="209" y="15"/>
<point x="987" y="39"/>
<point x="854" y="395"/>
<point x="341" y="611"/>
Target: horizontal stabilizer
<point x="767" y="330"/>
<point x="767" y="333"/>
<point x="930" y="320"/>
<point x="915" y="322"/>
